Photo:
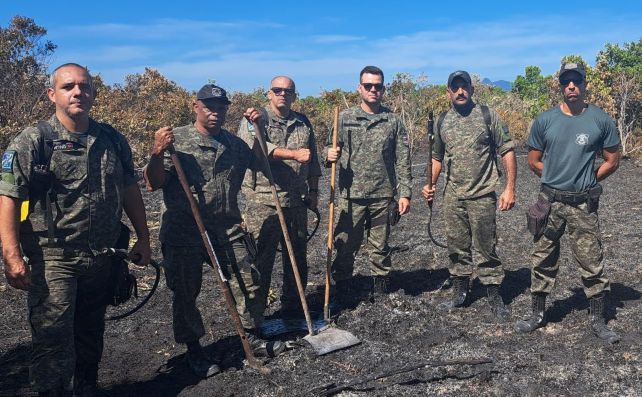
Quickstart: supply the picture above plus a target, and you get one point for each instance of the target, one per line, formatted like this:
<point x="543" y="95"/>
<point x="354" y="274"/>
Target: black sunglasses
<point x="368" y="86"/>
<point x="567" y="80"/>
<point x="285" y="91"/>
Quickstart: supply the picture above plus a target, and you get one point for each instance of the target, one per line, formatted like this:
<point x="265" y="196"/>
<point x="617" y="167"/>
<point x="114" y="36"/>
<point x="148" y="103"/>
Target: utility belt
<point x="572" y="198"/>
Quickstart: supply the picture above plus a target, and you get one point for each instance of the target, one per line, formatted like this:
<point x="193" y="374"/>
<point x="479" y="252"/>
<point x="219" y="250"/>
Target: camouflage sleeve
<point x="315" y="168"/>
<point x="126" y="158"/>
<point x="500" y="134"/>
<point x="16" y="164"/>
<point x="438" y="147"/>
<point x="402" y="162"/>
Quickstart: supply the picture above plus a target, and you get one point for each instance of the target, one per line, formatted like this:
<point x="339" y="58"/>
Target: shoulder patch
<point x="7" y="161"/>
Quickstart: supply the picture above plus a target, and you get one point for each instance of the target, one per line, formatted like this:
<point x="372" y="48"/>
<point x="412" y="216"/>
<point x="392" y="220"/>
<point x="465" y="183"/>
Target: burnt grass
<point x="401" y="329"/>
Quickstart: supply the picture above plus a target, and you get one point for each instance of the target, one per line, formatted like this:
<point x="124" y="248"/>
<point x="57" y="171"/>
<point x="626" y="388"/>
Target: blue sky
<point x="242" y="45"/>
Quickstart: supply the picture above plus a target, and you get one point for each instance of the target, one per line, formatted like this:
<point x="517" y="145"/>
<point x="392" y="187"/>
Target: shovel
<point x="327" y="339"/>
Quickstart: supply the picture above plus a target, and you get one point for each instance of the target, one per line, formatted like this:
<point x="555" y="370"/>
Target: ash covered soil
<point x="399" y="330"/>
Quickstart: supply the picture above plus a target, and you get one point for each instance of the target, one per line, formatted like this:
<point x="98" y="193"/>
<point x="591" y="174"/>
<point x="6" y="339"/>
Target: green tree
<point x="24" y="60"/>
<point x="532" y="89"/>
<point x="620" y="68"/>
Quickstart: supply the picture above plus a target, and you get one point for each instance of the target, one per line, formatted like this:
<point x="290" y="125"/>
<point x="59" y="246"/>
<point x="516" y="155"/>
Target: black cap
<point x="212" y="92"/>
<point x="459" y="74"/>
<point x="573" y="67"/>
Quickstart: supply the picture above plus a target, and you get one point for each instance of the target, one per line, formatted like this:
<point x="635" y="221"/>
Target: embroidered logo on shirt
<point x="7" y="160"/>
<point x="582" y="139"/>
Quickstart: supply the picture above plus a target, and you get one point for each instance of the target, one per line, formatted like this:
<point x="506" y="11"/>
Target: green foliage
<point x="24" y="59"/>
<point x="532" y="89"/>
<point x="147" y="101"/>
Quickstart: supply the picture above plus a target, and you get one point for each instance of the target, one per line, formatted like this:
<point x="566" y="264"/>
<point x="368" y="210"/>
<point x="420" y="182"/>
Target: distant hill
<point x="503" y="84"/>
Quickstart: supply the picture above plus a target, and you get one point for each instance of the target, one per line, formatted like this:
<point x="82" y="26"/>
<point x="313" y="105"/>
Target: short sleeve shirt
<point x="570" y="144"/>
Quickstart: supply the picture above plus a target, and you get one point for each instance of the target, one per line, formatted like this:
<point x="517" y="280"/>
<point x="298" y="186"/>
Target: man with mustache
<point x="468" y="140"/>
<point x="214" y="161"/>
<point x="563" y="144"/>
<point x="373" y="162"/>
<point x="292" y="152"/>
<point x="78" y="177"/>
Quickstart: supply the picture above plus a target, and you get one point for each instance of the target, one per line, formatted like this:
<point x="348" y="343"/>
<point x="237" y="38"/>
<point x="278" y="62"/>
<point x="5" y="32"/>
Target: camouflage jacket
<point x="214" y="168"/>
<point x="290" y="176"/>
<point x="468" y="152"/>
<point x="375" y="158"/>
<point x="89" y="175"/>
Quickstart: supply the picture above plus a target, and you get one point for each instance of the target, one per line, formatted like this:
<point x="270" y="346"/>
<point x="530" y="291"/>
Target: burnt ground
<point x="402" y="329"/>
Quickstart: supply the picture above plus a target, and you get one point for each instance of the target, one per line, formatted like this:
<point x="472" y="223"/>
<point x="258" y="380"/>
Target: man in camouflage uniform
<point x="563" y="144"/>
<point x="374" y="165"/>
<point x="92" y="179"/>
<point x="468" y="139"/>
<point x="214" y="161"/>
<point x="292" y="152"/>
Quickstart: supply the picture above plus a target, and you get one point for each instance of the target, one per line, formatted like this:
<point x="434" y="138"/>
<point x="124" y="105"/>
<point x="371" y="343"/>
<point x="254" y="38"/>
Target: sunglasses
<point x="567" y="80"/>
<point x="368" y="86"/>
<point x="284" y="91"/>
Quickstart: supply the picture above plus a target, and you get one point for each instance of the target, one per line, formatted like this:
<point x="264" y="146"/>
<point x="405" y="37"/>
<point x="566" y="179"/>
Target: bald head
<point x="282" y="81"/>
<point x="54" y="74"/>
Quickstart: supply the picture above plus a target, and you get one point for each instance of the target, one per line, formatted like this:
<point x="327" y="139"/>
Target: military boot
<point x="458" y="296"/>
<point x="536" y="319"/>
<point x="198" y="361"/>
<point x="497" y="306"/>
<point x="598" y="322"/>
<point x="261" y="347"/>
<point x="85" y="381"/>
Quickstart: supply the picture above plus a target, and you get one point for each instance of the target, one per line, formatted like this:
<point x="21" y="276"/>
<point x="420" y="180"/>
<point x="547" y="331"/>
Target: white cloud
<point x="244" y="55"/>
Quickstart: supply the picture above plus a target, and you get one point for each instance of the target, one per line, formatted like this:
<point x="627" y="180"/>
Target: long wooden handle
<point x="260" y="134"/>
<point x="222" y="282"/>
<point x="330" y="243"/>
<point x="431" y="138"/>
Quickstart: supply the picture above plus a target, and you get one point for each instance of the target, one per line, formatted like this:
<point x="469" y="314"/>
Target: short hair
<point x="371" y="70"/>
<point x="52" y="76"/>
<point x="283" y="77"/>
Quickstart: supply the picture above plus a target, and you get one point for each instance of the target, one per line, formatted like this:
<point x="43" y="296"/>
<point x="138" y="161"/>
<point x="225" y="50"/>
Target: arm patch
<point x="7" y="161"/>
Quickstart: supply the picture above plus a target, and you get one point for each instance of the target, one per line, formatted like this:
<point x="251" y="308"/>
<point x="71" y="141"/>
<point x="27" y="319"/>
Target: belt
<point x="572" y="198"/>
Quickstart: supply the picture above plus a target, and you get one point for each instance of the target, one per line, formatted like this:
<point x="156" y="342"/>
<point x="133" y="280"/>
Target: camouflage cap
<point x="212" y="92"/>
<point x="573" y="67"/>
<point x="459" y="74"/>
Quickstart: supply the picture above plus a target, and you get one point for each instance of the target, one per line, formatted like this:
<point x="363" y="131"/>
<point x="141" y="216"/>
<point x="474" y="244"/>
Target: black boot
<point x="458" y="295"/>
<point x="198" y="361"/>
<point x="85" y="380"/>
<point x="263" y="348"/>
<point x="497" y="306"/>
<point x="536" y="319"/>
<point x="598" y="322"/>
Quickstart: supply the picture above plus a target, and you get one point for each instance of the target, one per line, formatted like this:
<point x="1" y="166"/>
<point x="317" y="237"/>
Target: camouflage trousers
<point x="356" y="218"/>
<point x="472" y="237"/>
<point x="262" y="222"/>
<point x="183" y="267"/>
<point x="584" y="235"/>
<point x="67" y="303"/>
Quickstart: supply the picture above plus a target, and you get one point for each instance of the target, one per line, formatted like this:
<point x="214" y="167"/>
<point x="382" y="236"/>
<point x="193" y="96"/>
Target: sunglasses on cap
<point x="284" y="91"/>
<point x="368" y="86"/>
<point x="577" y="80"/>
